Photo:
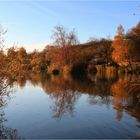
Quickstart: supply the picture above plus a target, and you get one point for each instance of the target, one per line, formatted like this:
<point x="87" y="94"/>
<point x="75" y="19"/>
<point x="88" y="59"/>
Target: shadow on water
<point x="122" y="93"/>
<point x="79" y="72"/>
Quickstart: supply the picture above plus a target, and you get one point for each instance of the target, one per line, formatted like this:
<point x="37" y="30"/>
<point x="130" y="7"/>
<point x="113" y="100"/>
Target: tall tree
<point x="133" y="35"/>
<point x="120" y="50"/>
<point x="64" y="38"/>
<point x="2" y="55"/>
<point x="2" y="33"/>
<point x="63" y="52"/>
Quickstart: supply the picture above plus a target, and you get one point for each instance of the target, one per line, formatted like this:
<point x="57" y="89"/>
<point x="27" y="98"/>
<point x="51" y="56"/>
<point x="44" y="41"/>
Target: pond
<point x="44" y="106"/>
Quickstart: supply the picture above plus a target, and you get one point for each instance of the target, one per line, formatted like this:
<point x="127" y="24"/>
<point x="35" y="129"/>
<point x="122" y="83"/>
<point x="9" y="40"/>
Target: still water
<point x="42" y="106"/>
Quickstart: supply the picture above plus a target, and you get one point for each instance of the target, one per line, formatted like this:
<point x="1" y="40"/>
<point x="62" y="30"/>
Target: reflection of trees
<point x="126" y="96"/>
<point x="34" y="78"/>
<point x="119" y="97"/>
<point x="64" y="102"/>
<point x="65" y="91"/>
<point x="93" y="100"/>
<point x="133" y="90"/>
<point x="62" y="94"/>
<point x="5" y="132"/>
<point x="101" y="89"/>
<point x="123" y="93"/>
<point x="21" y="81"/>
<point x="3" y="92"/>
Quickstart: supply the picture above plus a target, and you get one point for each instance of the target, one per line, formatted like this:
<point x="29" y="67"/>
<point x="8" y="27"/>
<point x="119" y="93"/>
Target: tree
<point x="133" y="35"/>
<point x="120" y="30"/>
<point x="2" y="33"/>
<point x="13" y="64"/>
<point x="106" y="49"/>
<point x="11" y="53"/>
<point x="120" y="49"/>
<point x="63" y="38"/>
<point x="22" y="54"/>
<point x="64" y="41"/>
<point x="2" y="55"/>
<point x="2" y="62"/>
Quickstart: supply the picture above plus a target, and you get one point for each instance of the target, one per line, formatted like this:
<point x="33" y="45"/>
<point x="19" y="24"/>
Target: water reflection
<point x="122" y="93"/>
<point x="5" y="96"/>
<point x="126" y="96"/>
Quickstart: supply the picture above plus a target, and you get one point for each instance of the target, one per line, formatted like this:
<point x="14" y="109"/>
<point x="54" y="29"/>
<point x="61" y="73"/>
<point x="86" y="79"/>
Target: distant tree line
<point x="66" y="52"/>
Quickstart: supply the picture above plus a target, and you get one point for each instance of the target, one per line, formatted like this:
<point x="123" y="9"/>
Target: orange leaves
<point x="22" y="54"/>
<point x="120" y="52"/>
<point x="62" y="56"/>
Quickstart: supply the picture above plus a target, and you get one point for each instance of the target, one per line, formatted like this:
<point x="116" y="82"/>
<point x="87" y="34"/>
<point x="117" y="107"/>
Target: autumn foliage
<point x="66" y="52"/>
<point x="126" y="48"/>
<point x="120" y="52"/>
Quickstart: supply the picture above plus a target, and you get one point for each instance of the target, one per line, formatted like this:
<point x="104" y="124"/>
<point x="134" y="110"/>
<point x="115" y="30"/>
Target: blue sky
<point x="30" y="23"/>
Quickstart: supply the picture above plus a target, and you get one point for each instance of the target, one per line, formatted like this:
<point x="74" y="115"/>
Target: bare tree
<point x="64" y="41"/>
<point x="2" y="33"/>
<point x="63" y="38"/>
<point x="2" y="55"/>
<point x="120" y="30"/>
